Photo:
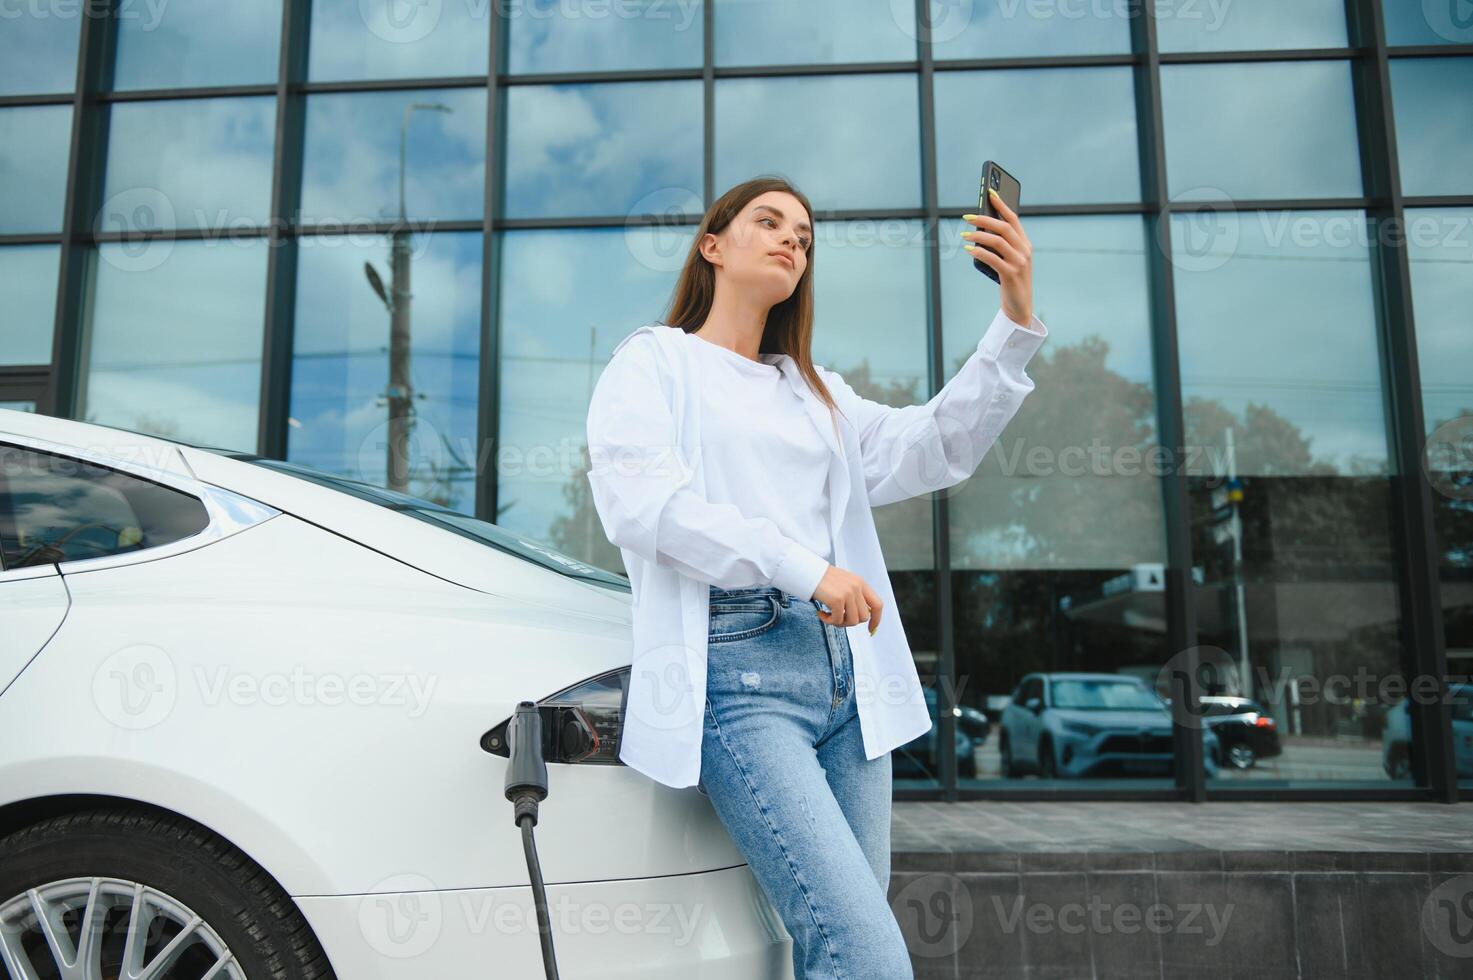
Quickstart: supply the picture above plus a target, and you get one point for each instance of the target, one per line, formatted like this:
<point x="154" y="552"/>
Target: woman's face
<point x="765" y="247"/>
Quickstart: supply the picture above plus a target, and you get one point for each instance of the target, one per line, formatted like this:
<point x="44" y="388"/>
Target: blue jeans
<point x="783" y="764"/>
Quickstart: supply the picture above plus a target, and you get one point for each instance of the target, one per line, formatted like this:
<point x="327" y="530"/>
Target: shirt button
<point x="999" y="396"/>
<point x="1013" y="342"/>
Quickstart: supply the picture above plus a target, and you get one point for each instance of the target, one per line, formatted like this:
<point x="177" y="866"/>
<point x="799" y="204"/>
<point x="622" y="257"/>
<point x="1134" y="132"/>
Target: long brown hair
<point x="789" y="326"/>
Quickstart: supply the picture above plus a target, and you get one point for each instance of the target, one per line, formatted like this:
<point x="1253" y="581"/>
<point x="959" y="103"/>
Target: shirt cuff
<point x="800" y="571"/>
<point x="1007" y="339"/>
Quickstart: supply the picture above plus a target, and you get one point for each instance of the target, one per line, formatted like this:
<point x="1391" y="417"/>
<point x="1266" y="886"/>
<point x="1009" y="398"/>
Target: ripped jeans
<point x="783" y="764"/>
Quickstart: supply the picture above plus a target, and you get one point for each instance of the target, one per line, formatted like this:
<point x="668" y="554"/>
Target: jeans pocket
<point x="740" y="617"/>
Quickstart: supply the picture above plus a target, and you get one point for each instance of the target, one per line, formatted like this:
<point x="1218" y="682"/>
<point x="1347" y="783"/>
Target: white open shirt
<point x="644" y="444"/>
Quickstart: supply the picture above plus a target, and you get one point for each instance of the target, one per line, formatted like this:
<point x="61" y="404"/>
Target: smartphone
<point x="1008" y="188"/>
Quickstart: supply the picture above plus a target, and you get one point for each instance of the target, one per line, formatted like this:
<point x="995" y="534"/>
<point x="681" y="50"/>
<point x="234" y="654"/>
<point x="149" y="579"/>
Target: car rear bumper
<point x="715" y="924"/>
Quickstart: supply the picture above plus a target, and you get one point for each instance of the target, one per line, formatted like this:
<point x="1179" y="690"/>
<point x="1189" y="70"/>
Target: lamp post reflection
<point x="400" y="393"/>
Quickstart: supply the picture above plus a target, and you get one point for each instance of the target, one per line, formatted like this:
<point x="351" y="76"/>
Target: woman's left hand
<point x="1012" y="257"/>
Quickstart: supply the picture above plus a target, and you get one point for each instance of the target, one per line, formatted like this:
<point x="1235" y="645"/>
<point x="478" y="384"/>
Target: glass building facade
<point x="1242" y="485"/>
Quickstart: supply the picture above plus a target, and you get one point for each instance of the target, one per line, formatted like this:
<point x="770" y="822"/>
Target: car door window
<point x="58" y="509"/>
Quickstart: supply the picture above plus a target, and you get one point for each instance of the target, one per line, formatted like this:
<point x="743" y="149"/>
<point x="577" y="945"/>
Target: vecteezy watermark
<point x="408" y="21"/>
<point x="1448" y="458"/>
<point x="404" y="915"/>
<point x="150" y="12"/>
<point x="938" y="914"/>
<point x="301" y="687"/>
<point x="1447" y="917"/>
<point x="136" y="687"/>
<point x="1196" y="672"/>
<point x="1099" y="917"/>
<point x="935" y="915"/>
<point x="139" y="686"/>
<point x="139" y="227"/>
<point x="1451" y="20"/>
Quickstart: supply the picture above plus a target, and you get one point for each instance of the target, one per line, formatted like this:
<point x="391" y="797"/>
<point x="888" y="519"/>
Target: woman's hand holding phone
<point x="1009" y="253"/>
<point x="850" y="599"/>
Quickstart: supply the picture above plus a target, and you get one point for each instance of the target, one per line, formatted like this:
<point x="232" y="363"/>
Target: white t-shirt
<point x="760" y="450"/>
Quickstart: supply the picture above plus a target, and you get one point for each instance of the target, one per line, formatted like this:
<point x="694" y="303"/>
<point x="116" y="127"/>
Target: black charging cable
<point x="526" y="787"/>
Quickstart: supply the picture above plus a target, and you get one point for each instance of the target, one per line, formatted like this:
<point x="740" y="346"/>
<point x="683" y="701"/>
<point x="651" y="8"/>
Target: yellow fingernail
<point x="965" y="234"/>
<point x="968" y="217"/>
<point x="994" y="193"/>
<point x="872" y="632"/>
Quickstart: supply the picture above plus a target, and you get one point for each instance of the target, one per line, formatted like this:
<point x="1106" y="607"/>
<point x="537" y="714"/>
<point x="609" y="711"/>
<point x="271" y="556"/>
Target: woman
<point x="737" y="478"/>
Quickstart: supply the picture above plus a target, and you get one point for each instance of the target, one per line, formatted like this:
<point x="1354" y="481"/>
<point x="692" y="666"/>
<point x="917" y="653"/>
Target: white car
<point x="250" y="727"/>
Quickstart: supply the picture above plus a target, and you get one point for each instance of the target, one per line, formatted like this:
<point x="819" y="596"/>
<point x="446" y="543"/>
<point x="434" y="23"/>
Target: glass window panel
<point x="34" y="144"/>
<point x="870" y="325"/>
<point x="788" y="125"/>
<point x="1013" y="30"/>
<point x="38" y="49"/>
<point x="28" y="283"/>
<point x="60" y="509"/>
<point x="1187" y="25"/>
<point x="1433" y="101"/>
<point x="560" y="319"/>
<point x="204" y="42"/>
<point x="1427" y="22"/>
<point x="551" y="36"/>
<point x="780" y="32"/>
<point x="1440" y="251"/>
<point x="175" y="339"/>
<point x="351" y="169"/>
<point x="1067" y="134"/>
<point x="365" y="39"/>
<point x="1057" y="542"/>
<point x="345" y="363"/>
<point x="1290" y="495"/>
<point x="26" y="406"/>
<point x="600" y="149"/>
<point x="189" y="163"/>
<point x="1229" y="131"/>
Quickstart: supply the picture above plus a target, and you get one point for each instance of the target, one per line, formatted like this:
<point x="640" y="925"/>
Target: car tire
<point x="1241" y="756"/>
<point x="1047" y="765"/>
<point x="1005" y="756"/>
<point x="184" y="868"/>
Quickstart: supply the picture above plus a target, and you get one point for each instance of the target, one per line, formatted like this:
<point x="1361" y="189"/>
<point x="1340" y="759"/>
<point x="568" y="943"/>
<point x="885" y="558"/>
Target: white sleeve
<point x="640" y="481"/>
<point x="918" y="449"/>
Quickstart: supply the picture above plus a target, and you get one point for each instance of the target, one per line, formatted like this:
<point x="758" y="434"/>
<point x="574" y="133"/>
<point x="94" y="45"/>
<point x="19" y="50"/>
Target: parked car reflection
<point x="1082" y="724"/>
<point x="1245" y="732"/>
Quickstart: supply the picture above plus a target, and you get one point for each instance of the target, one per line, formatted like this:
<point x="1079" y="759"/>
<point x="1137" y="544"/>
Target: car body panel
<point x="333" y="797"/>
<point x="717" y="926"/>
<point x="35" y="603"/>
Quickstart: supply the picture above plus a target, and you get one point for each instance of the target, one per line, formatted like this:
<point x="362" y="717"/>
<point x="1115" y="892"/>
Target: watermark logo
<point x="1204" y="230"/>
<point x="423" y="450"/>
<point x="941" y="20"/>
<point x="400" y="21"/>
<point x="139" y="214"/>
<point x="1451" y="20"/>
<point x="1447" y="917"/>
<point x="405" y="920"/>
<point x="1194" y="670"/>
<point x="1448" y="458"/>
<point x="935" y="915"/>
<point x="661" y="247"/>
<point x="136" y="687"/>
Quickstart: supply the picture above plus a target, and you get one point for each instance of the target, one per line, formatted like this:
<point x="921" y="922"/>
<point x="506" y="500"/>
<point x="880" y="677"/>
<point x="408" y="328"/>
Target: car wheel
<point x="1005" y="754"/>
<point x="160" y="896"/>
<point x="1401" y="767"/>
<point x="1046" y="766"/>
<point x="1242" y="756"/>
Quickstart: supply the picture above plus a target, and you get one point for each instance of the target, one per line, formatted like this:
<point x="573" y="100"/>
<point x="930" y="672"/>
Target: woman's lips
<point x="785" y="258"/>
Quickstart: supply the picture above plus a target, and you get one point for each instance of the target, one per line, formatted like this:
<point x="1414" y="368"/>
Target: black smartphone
<point x="1008" y="189"/>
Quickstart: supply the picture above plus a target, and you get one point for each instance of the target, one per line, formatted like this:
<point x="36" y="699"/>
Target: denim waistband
<point x="785" y="598"/>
